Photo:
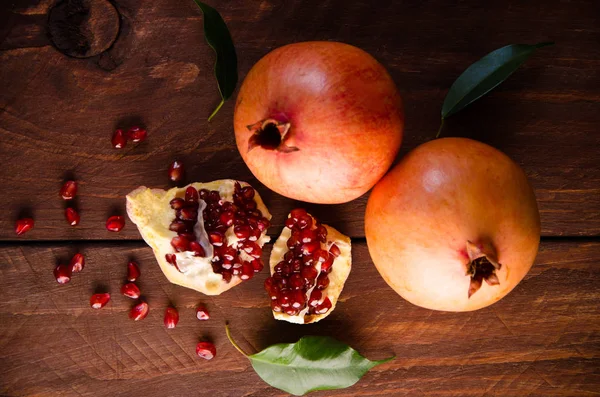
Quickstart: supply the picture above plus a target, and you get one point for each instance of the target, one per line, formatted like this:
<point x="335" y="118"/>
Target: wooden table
<point x="57" y="114"/>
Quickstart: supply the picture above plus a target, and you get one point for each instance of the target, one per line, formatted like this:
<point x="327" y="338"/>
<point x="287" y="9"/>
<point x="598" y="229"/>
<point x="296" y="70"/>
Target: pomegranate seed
<point x="298" y="299"/>
<point x="250" y="205"/>
<point x="191" y="194"/>
<point x="290" y="223"/>
<point x="247" y="193"/>
<point x="203" y="194"/>
<point x="309" y="248"/>
<point x="188" y="236"/>
<point x="297" y="265"/>
<point x="226" y="218"/>
<point x="322" y="281"/>
<point x="284" y="299"/>
<point x="304" y="222"/>
<point x="68" y="190"/>
<point x="130" y="290"/>
<point x="326" y="266"/>
<point x="226" y="275"/>
<point x="77" y="263"/>
<point x="178" y="226"/>
<point x="118" y="139"/>
<point x="136" y="134"/>
<point x="177" y="203"/>
<point x="242" y="232"/>
<point x="115" y="223"/>
<point x="283" y="268"/>
<point x="180" y="244"/>
<point x="133" y="271"/>
<point x="297" y="213"/>
<point x="252" y="249"/>
<point x="202" y="313"/>
<point x="293" y="242"/>
<point x="309" y="273"/>
<point x="62" y="273"/>
<point x="139" y="311"/>
<point x="229" y="254"/>
<point x="257" y="265"/>
<point x="176" y="171"/>
<point x="307" y="236"/>
<point x="296" y="281"/>
<point x="171" y="317"/>
<point x="289" y="256"/>
<point x="247" y="271"/>
<point x="72" y="216"/>
<point x="321" y="233"/>
<point x="172" y="260"/>
<point x="23" y="225"/>
<point x="206" y="350"/>
<point x="335" y="250"/>
<point x="197" y="249"/>
<point x="214" y="196"/>
<point x="276" y="307"/>
<point x="254" y="234"/>
<point x="315" y="298"/>
<point x="188" y="214"/>
<point x="323" y="307"/>
<point x="98" y="301"/>
<point x="263" y="224"/>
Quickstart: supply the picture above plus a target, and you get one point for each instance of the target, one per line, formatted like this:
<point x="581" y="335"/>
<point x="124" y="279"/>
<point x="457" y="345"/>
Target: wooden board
<point x="543" y="339"/>
<point x="57" y="113"/>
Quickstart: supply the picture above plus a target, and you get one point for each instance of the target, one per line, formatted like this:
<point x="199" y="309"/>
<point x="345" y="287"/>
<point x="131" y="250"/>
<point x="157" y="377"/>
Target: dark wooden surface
<point x="57" y="114"/>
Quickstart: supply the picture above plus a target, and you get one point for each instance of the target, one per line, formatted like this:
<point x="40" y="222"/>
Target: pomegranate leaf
<point x="485" y="74"/>
<point x="219" y="39"/>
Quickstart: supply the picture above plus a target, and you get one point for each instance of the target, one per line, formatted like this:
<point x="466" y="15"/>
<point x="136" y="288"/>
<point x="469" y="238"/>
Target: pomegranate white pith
<point x="335" y="247"/>
<point x="151" y="210"/>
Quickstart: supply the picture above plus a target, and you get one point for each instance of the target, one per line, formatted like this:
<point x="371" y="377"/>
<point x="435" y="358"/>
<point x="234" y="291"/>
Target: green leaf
<point x="219" y="39"/>
<point x="485" y="74"/>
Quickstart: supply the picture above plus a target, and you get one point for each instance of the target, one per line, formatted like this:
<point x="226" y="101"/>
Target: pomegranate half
<point x="454" y="226"/>
<point x="205" y="236"/>
<point x="309" y="265"/>
<point x="318" y="121"/>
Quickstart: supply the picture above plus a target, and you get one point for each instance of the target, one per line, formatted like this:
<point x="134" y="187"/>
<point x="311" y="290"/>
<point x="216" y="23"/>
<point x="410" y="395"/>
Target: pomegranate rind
<point x="337" y="277"/>
<point x="150" y="211"/>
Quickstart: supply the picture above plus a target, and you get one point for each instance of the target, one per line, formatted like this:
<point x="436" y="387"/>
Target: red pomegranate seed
<point x="197" y="249"/>
<point x="191" y="194"/>
<point x="118" y="139"/>
<point x="139" y="311"/>
<point x="203" y="194"/>
<point x="77" y="263"/>
<point x="171" y="317"/>
<point x="98" y="301"/>
<point x="252" y="249"/>
<point x="62" y="273"/>
<point x="242" y="232"/>
<point x="275" y="306"/>
<point x="180" y="244"/>
<point x="177" y="203"/>
<point x="309" y="248"/>
<point x="304" y="222"/>
<point x="285" y="298"/>
<point x="296" y="281"/>
<point x="227" y="275"/>
<point x="136" y="134"/>
<point x="297" y="265"/>
<point x="247" y="271"/>
<point x="72" y="216"/>
<point x="322" y="281"/>
<point x="257" y="265"/>
<point x="176" y="171"/>
<point x="326" y="266"/>
<point x="295" y="214"/>
<point x="206" y="350"/>
<point x="293" y="242"/>
<point x="335" y="250"/>
<point x="320" y="255"/>
<point x="188" y="214"/>
<point x="133" y="271"/>
<point x="247" y="192"/>
<point x="226" y="218"/>
<point x="254" y="234"/>
<point x="321" y="233"/>
<point x="290" y="223"/>
<point x="323" y="307"/>
<point x="216" y="238"/>
<point x="309" y="273"/>
<point x="202" y="313"/>
<point x="115" y="223"/>
<point x="130" y="290"/>
<point x="263" y="224"/>
<point x="315" y="298"/>
<point x="172" y="260"/>
<point x="178" y="226"/>
<point x="298" y="299"/>
<point x="214" y="196"/>
<point x="68" y="190"/>
<point x="307" y="236"/>
<point x="23" y="225"/>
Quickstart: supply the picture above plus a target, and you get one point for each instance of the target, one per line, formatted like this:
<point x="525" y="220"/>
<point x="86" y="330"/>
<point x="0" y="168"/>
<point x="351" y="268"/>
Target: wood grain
<point x="543" y="339"/>
<point x="57" y="113"/>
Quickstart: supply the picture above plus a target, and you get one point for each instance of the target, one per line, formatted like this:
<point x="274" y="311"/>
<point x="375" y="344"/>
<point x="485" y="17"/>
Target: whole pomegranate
<point x="318" y="121"/>
<point x="454" y="226"/>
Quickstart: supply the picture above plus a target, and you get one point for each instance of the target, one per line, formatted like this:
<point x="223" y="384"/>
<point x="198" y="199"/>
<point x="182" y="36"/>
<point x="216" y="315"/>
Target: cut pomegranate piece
<point x="72" y="216"/>
<point x="136" y="134"/>
<point x="171" y="317"/>
<point x="115" y="223"/>
<point x="77" y="263"/>
<point x="139" y="311"/>
<point x="176" y="171"/>
<point x="306" y="278"/>
<point x="206" y="350"/>
<point x="130" y="290"/>
<point x="202" y="313"/>
<point x="119" y="140"/>
<point x="133" y="271"/>
<point x="98" y="301"/>
<point x="62" y="274"/>
<point x="23" y="225"/>
<point x="68" y="190"/>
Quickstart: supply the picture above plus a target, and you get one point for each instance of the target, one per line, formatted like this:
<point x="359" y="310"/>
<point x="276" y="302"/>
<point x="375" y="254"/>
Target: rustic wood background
<point x="57" y="114"/>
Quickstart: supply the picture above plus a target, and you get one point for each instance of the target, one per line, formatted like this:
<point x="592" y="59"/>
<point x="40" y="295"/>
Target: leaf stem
<point x="440" y="129"/>
<point x="231" y="339"/>
<point x="216" y="110"/>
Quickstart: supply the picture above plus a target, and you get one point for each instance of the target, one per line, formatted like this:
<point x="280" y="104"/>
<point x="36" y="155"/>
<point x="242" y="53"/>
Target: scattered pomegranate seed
<point x="68" y="190"/>
<point x="115" y="223"/>
<point x="118" y="139"/>
<point x="62" y="273"/>
<point x="202" y="313"/>
<point x="139" y="311"/>
<point x="136" y="134"/>
<point x="206" y="350"/>
<point x="98" y="301"/>
<point x="72" y="216"/>
<point x="77" y="263"/>
<point x="130" y="290"/>
<point x="335" y="250"/>
<point x="176" y="171"/>
<point x="133" y="271"/>
<point x="23" y="225"/>
<point x="171" y="317"/>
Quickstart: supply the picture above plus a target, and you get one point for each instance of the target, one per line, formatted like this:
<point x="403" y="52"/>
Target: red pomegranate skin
<point x="345" y="117"/>
<point x="442" y="194"/>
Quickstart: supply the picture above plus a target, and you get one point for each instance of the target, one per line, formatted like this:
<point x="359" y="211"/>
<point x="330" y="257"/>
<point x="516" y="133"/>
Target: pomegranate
<point x="206" y="350"/>
<point x="205" y="236"/>
<point x="318" y="121"/>
<point x="23" y="225"/>
<point x="309" y="264"/>
<point x="68" y="190"/>
<point x="454" y="226"/>
<point x="98" y="301"/>
<point x="171" y="317"/>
